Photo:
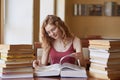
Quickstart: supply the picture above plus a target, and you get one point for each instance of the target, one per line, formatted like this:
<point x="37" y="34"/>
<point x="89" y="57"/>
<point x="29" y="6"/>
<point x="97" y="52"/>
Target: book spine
<point x="76" y="9"/>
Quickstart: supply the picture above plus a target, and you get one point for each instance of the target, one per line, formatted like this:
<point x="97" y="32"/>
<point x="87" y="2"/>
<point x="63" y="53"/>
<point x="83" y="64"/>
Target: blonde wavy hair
<point x="47" y="41"/>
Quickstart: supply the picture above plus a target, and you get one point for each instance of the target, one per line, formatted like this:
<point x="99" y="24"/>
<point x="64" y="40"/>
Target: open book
<point x="63" y="70"/>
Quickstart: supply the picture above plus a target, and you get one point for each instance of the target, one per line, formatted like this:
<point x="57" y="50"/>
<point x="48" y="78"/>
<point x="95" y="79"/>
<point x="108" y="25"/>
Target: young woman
<point x="58" y="41"/>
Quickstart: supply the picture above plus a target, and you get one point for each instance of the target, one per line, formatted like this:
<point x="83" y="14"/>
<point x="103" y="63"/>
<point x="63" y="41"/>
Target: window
<point x="18" y="22"/>
<point x="22" y="19"/>
<point x="46" y="9"/>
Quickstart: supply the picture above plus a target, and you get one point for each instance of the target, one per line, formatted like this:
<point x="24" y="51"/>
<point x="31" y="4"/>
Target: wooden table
<point x="51" y="78"/>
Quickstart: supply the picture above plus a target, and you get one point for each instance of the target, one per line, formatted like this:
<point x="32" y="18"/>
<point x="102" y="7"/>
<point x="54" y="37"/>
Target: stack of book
<point x="105" y="59"/>
<point x="16" y="61"/>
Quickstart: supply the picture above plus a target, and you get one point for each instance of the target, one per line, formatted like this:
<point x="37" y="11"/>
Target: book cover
<point x="18" y="55"/>
<point x="82" y="10"/>
<point x="107" y="63"/>
<point x="17" y="75"/>
<point x="15" y="62"/>
<point x="15" y="51"/>
<point x="105" y="42"/>
<point x="118" y="10"/>
<point x="15" y="46"/>
<point x="16" y="65"/>
<point x="104" y="51"/>
<point x="17" y="59"/>
<point x="104" y="74"/>
<point x="13" y="70"/>
<point x="76" y="9"/>
<point x="105" y="47"/>
<point x="103" y="67"/>
<point x="104" y="55"/>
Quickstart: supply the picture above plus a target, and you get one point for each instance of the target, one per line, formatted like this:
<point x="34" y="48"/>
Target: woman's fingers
<point x="76" y="55"/>
<point x="36" y="63"/>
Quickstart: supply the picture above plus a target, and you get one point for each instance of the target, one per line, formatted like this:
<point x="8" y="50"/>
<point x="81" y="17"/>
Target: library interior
<point x="95" y="22"/>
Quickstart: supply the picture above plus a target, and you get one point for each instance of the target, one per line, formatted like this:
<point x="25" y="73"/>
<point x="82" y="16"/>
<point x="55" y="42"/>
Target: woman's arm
<point x="40" y="61"/>
<point x="78" y="48"/>
<point x="44" y="58"/>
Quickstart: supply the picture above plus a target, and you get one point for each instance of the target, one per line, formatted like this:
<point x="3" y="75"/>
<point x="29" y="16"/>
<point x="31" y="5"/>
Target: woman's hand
<point x="36" y="63"/>
<point x="76" y="55"/>
<point x="80" y="58"/>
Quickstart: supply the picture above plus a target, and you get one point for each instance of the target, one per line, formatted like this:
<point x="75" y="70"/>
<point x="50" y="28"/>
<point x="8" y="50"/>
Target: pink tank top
<point x="55" y="56"/>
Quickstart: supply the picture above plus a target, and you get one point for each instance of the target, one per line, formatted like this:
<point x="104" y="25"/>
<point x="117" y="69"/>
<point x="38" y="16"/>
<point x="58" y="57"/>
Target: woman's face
<point x="53" y="31"/>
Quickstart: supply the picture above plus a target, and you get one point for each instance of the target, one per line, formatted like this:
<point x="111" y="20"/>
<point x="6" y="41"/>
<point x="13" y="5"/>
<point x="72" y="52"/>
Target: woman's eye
<point x="53" y="29"/>
<point x="48" y="32"/>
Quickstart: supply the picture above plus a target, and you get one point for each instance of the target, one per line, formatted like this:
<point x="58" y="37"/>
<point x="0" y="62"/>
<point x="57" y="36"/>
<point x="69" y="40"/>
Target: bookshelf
<point x="106" y="26"/>
<point x="87" y="9"/>
<point x="110" y="8"/>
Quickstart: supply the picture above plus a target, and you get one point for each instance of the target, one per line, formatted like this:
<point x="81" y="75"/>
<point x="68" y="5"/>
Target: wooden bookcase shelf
<point x="106" y="26"/>
<point x="110" y="8"/>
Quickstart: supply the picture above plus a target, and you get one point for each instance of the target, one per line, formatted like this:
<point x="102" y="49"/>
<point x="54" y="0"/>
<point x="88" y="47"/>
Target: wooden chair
<point x="36" y="46"/>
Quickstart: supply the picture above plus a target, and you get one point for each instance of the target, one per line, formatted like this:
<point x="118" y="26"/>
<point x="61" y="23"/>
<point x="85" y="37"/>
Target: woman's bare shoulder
<point x="76" y="39"/>
<point x="77" y="44"/>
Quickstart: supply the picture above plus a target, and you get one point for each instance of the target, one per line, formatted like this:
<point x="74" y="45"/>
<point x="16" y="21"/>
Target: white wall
<point x="18" y="22"/>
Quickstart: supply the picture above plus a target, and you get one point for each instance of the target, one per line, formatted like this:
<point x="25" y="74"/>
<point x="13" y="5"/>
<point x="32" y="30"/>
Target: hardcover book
<point x="64" y="70"/>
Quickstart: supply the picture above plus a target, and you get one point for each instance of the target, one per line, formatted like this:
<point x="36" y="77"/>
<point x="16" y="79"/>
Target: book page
<point x="70" y="66"/>
<point x="70" y="55"/>
<point x="71" y="70"/>
<point x="49" y="68"/>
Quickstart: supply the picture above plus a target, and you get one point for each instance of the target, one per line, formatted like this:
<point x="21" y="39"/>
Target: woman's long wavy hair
<point x="46" y="40"/>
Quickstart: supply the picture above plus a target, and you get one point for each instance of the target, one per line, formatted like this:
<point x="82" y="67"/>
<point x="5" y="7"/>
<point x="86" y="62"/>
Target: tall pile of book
<point x="16" y="61"/>
<point x="105" y="59"/>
